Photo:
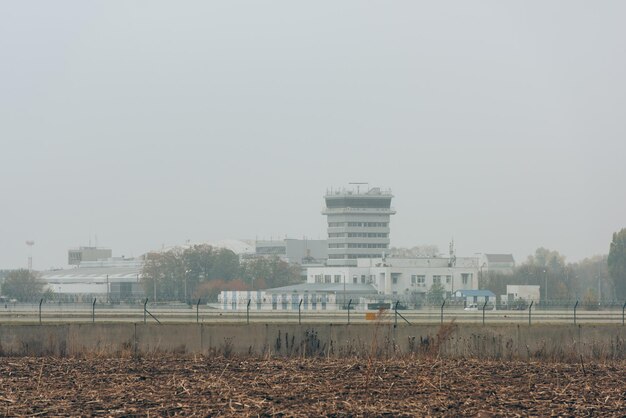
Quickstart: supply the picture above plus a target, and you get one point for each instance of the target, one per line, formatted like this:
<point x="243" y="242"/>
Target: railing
<point x="306" y="312"/>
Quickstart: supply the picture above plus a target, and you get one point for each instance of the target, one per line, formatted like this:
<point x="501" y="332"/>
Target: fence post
<point x="198" y="312"/>
<point x="40" y="302"/>
<point x="248" y="312"/>
<point x="623" y="308"/>
<point x="442" y="305"/>
<point x="93" y="311"/>
<point x="575" y="306"/>
<point x="484" y="306"/>
<point x="299" y="312"/>
<point x="349" y="303"/>
<point x="530" y="308"/>
<point x="145" y="310"/>
<point x="395" y="316"/>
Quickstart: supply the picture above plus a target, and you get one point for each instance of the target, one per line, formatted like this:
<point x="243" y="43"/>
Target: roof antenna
<point x="452" y="260"/>
<point x="358" y="184"/>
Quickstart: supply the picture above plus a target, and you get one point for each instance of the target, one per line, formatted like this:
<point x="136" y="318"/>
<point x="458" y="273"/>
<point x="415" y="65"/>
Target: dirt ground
<point x="167" y="386"/>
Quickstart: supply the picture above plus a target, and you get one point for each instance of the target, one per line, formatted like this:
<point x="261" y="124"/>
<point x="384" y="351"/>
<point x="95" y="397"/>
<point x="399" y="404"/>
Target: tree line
<point x="202" y="271"/>
<point x="592" y="280"/>
<point x="22" y="285"/>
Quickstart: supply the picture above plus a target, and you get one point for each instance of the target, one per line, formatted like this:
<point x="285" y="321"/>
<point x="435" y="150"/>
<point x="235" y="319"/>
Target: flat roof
<point x="326" y="287"/>
<point x="92" y="275"/>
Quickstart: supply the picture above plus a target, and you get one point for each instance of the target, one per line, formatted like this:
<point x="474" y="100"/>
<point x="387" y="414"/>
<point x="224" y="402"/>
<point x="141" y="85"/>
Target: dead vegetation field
<point x="218" y="386"/>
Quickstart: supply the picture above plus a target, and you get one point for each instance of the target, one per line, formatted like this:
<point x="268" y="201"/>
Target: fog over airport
<point x="499" y="125"/>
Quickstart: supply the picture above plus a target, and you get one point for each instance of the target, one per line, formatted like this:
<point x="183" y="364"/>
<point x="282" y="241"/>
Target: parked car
<point x="471" y="307"/>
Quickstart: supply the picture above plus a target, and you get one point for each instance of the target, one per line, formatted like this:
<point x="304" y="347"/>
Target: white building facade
<point x="396" y="277"/>
<point x="276" y="300"/>
<point x="498" y="263"/>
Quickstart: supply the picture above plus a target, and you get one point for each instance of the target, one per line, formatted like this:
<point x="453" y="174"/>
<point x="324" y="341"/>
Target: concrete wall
<point x="556" y="342"/>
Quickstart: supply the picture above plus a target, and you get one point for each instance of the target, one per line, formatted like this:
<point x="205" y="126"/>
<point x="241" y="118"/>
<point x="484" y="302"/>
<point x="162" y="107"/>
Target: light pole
<point x="186" y="274"/>
<point x="545" y="274"/>
<point x="481" y="275"/>
<point x="344" y="289"/>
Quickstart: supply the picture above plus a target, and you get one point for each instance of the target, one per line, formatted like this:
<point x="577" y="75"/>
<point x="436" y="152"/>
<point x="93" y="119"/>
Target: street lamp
<point x="481" y="273"/>
<point x="186" y="274"/>
<point x="344" y="289"/>
<point x="545" y="273"/>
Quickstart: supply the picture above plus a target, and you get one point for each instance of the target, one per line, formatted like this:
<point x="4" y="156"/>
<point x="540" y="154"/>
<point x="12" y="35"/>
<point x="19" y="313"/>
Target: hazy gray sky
<point x="501" y="124"/>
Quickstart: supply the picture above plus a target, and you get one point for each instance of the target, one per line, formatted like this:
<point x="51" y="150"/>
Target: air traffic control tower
<point x="358" y="224"/>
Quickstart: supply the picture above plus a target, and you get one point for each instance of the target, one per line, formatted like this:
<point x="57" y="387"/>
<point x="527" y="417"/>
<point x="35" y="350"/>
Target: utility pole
<point x="344" y="289"/>
<point x="30" y="244"/>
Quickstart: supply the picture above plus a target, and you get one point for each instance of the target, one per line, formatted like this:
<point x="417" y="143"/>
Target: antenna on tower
<point x="452" y="260"/>
<point x="358" y="184"/>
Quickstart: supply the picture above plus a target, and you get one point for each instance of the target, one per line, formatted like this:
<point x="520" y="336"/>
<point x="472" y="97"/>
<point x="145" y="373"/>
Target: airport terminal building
<point x="357" y="267"/>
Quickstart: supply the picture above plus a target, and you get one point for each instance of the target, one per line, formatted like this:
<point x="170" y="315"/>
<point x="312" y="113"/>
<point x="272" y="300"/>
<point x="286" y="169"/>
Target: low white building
<point x="476" y="298"/>
<point x="398" y="277"/>
<point x="528" y="293"/>
<point x="314" y="297"/>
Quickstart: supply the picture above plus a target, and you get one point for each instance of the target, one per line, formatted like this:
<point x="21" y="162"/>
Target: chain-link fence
<point x="303" y="311"/>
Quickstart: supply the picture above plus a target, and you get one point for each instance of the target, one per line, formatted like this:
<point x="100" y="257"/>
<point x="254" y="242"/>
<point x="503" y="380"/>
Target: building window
<point x="337" y="278"/>
<point x="358" y="245"/>
<point x="394" y="278"/>
<point x="466" y="277"/>
<point x="327" y="278"/>
<point x="363" y="278"/>
<point x="336" y="224"/>
<point x="436" y="279"/>
<point x="421" y="280"/>
<point x="413" y="279"/>
<point x="318" y="278"/>
<point x="448" y="279"/>
<point x="355" y="279"/>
